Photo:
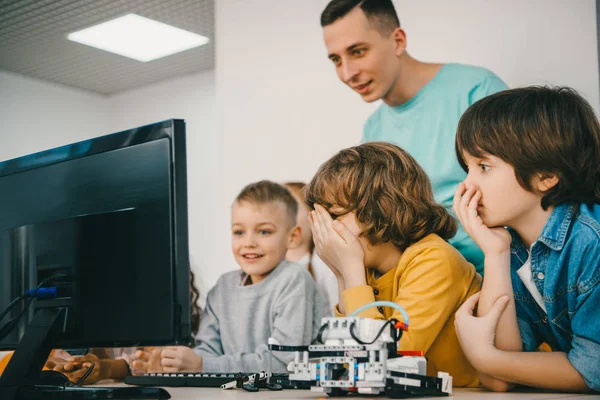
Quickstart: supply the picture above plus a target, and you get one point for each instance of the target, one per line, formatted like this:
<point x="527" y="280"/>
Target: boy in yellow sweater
<point x="376" y="225"/>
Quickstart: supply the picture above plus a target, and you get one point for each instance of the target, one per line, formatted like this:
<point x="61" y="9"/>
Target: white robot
<point x="359" y="355"/>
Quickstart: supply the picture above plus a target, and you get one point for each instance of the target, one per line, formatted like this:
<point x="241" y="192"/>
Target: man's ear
<point x="295" y="237"/>
<point x="546" y="182"/>
<point x="399" y="37"/>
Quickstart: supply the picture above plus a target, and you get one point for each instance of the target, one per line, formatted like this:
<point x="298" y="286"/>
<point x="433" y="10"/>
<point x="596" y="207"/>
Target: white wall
<point x="191" y="98"/>
<point x="524" y="42"/>
<point x="281" y="111"/>
<point x="36" y="115"/>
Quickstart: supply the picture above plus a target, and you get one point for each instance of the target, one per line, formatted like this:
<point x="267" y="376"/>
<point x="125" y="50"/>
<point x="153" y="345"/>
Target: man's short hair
<point x="380" y="13"/>
<point x="538" y="130"/>
<point x="387" y="190"/>
<point x="265" y="192"/>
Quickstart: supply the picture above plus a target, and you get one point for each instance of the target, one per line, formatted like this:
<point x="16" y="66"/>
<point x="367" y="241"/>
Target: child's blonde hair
<point x="386" y="188"/>
<point x="264" y="192"/>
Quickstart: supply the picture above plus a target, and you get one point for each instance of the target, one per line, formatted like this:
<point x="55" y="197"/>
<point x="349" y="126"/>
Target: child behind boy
<point x="377" y="227"/>
<point x="304" y="253"/>
<point x="533" y="162"/>
<point x="269" y="297"/>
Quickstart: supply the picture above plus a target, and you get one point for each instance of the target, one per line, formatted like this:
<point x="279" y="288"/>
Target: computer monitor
<point x="104" y="221"/>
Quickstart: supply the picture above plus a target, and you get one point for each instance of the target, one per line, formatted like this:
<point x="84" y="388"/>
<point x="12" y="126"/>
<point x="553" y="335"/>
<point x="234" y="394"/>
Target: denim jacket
<point x="565" y="264"/>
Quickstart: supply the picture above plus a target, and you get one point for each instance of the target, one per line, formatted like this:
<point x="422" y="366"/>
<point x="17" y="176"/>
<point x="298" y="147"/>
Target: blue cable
<point x="382" y="303"/>
<point x="41" y="293"/>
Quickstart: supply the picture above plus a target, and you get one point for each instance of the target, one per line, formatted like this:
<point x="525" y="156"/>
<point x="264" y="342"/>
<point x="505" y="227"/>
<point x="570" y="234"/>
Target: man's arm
<point x="489" y="85"/>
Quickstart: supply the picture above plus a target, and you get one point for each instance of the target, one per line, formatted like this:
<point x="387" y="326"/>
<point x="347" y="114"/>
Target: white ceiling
<point x="33" y="42"/>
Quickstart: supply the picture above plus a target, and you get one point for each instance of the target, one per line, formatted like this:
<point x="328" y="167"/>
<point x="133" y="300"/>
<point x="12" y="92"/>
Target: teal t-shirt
<point x="425" y="126"/>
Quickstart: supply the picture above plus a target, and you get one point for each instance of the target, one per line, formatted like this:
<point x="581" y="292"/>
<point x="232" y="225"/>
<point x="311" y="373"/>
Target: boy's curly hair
<point x="389" y="192"/>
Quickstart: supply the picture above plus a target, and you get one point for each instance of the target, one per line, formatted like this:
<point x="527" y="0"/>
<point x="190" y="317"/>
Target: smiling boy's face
<point x="260" y="236"/>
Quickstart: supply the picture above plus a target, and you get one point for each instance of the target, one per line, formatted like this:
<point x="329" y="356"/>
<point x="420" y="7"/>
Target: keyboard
<point x="205" y="379"/>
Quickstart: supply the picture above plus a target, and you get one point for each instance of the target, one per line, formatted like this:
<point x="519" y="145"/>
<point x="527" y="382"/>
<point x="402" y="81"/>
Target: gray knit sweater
<point x="238" y="320"/>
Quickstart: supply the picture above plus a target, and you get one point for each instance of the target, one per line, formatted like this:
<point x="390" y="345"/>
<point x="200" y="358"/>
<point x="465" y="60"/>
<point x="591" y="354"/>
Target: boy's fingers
<point x="71" y="366"/>
<point x="497" y="309"/>
<point x="314" y="217"/>
<point x="344" y="232"/>
<point x="322" y="216"/>
<point x="457" y="196"/>
<point x="59" y="368"/>
<point x="459" y="209"/>
<point x="315" y="226"/>
<point x="469" y="305"/>
<point x="169" y="353"/>
<point x="142" y="355"/>
<point x="473" y="203"/>
<point x="155" y="356"/>
<point x="78" y="360"/>
<point x="170" y="363"/>
<point x="465" y="199"/>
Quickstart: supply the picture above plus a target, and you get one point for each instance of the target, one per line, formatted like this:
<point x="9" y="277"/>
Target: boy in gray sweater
<point x="269" y="297"/>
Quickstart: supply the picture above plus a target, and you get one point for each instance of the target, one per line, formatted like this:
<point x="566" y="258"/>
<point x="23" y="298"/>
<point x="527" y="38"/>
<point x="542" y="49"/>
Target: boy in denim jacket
<point x="531" y="203"/>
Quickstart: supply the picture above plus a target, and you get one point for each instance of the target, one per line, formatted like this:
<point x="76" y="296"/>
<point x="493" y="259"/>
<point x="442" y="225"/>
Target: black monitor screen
<point x="112" y="213"/>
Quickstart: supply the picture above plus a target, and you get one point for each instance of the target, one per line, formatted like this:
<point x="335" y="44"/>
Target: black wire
<point x="322" y="331"/>
<point x="353" y="334"/>
<point x="9" y="326"/>
<point x="11" y="305"/>
<point x="84" y="377"/>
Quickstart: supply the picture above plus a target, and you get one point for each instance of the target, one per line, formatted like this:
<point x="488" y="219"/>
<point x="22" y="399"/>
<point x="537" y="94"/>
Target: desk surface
<point x="458" y="394"/>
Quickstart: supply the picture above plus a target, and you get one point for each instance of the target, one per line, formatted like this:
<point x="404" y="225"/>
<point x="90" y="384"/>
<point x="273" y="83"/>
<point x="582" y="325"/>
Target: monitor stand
<point x="23" y="377"/>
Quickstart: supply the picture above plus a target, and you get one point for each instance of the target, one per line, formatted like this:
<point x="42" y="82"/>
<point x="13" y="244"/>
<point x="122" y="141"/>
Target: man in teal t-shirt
<point x="422" y="102"/>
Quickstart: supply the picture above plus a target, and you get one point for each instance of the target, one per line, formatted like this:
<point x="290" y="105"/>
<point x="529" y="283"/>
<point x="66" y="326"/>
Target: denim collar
<point x="555" y="231"/>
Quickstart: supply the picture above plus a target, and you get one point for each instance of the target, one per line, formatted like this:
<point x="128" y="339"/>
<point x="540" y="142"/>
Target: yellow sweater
<point x="431" y="281"/>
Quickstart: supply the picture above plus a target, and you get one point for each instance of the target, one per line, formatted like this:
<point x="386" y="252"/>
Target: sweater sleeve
<point x="295" y="315"/>
<point x="209" y="332"/>
<point x="356" y="297"/>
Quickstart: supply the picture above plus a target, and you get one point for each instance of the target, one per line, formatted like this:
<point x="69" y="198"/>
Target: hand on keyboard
<point x="147" y="360"/>
<point x="166" y="359"/>
<point x="180" y="359"/>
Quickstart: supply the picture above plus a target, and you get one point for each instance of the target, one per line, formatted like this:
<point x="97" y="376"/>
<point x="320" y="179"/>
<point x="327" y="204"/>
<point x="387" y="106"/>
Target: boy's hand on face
<point x="338" y="247"/>
<point x="490" y="240"/>
<point x="179" y="358"/>
<point x="477" y="334"/>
